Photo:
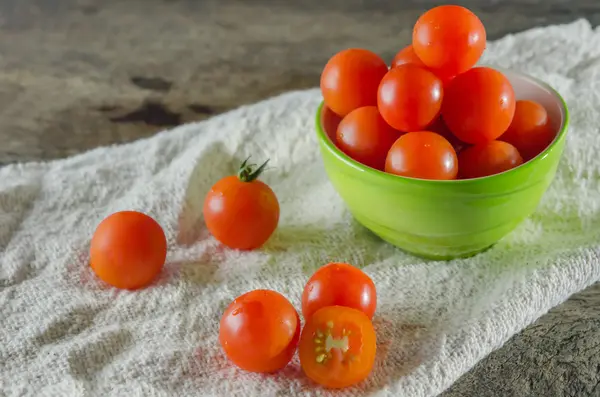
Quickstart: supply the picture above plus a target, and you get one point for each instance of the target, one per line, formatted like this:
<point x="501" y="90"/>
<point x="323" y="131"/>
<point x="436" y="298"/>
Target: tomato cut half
<point x="337" y="347"/>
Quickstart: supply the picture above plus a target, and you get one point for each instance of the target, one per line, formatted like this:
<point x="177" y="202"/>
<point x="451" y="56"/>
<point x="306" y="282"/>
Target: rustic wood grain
<point x="77" y="74"/>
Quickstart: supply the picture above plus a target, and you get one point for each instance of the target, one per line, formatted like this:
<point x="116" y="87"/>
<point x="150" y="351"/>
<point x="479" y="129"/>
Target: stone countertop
<point x="76" y="74"/>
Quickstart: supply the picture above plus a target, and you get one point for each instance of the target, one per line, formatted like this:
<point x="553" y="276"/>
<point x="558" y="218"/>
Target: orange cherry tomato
<point x="128" y="250"/>
<point x="422" y="154"/>
<point x="410" y="97"/>
<point x="330" y="122"/>
<point x="530" y="131"/>
<point x="339" y="284"/>
<point x="337" y="347"/>
<point x="350" y="80"/>
<point x="241" y="211"/>
<point x="449" y="38"/>
<point x="259" y="331"/>
<point x="408" y="55"/>
<point x="479" y="105"/>
<point x="488" y="159"/>
<point x="365" y="136"/>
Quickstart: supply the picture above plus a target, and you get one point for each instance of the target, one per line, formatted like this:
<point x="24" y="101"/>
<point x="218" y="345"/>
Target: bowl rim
<point x="347" y="160"/>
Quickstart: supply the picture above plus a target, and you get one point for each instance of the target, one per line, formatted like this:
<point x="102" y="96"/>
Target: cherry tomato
<point x="241" y="211"/>
<point x="449" y="38"/>
<point x="530" y="131"/>
<point x="479" y="105"/>
<point x="439" y="127"/>
<point x="259" y="331"/>
<point x="410" y="97"/>
<point x="422" y="154"/>
<point x="339" y="284"/>
<point x="128" y="250"/>
<point x="487" y="159"/>
<point x="337" y="347"/>
<point x="330" y="122"/>
<point x="350" y="80"/>
<point x="365" y="136"/>
<point x="408" y="55"/>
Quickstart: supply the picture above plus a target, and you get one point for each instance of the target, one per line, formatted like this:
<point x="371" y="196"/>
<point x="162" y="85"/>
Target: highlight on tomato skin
<point x="259" y="331"/>
<point x="339" y="284"/>
<point x="337" y="347"/>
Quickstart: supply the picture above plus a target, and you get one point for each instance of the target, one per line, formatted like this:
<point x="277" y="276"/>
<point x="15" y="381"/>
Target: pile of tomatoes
<point x="433" y="114"/>
<point x="260" y="331"/>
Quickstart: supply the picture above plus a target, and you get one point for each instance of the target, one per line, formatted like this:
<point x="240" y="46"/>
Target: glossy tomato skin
<point x="440" y="127"/>
<point x="449" y="38"/>
<point x="350" y="80"/>
<point x="424" y="155"/>
<point x="365" y="136"/>
<point x="408" y="55"/>
<point x="331" y="121"/>
<point x="242" y="215"/>
<point x="410" y="97"/>
<point x="488" y="159"/>
<point x="339" y="284"/>
<point x="337" y="347"/>
<point x="128" y="250"/>
<point x="530" y="131"/>
<point x="479" y="105"/>
<point x="259" y="331"/>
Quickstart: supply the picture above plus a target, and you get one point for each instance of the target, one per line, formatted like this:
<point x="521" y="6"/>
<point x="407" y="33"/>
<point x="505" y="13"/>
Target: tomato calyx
<point x="249" y="172"/>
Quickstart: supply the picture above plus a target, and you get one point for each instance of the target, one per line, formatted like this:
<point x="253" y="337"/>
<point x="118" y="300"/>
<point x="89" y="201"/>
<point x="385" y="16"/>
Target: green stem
<point x="249" y="172"/>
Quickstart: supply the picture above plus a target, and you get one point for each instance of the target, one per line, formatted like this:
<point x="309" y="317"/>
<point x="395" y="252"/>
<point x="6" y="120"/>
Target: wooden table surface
<point x="76" y="74"/>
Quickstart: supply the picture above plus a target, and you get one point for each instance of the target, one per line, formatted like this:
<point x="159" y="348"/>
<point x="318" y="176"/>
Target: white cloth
<point x="63" y="333"/>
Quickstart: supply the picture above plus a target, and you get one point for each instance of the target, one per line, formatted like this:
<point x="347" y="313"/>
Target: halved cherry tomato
<point x="337" y="347"/>
<point x="449" y="39"/>
<point x="488" y="159"/>
<point x="259" y="331"/>
<point x="530" y="131"/>
<point x="479" y="105"/>
<point x="422" y="154"/>
<point x="410" y="97"/>
<point x="365" y="136"/>
<point x="339" y="284"/>
<point x="241" y="211"/>
<point x="128" y="250"/>
<point x="350" y="80"/>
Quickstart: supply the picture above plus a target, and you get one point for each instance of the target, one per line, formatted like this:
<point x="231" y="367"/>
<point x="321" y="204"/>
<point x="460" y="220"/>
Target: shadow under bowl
<point x="447" y="219"/>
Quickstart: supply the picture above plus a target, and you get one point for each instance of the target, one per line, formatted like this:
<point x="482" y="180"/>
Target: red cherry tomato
<point x="128" y="250"/>
<point x="422" y="154"/>
<point x="330" y="122"/>
<point x="259" y="331"/>
<point x="440" y="127"/>
<point x="449" y="38"/>
<point x="479" y="105"/>
<point x="339" y="284"/>
<point x="241" y="211"/>
<point x="365" y="136"/>
<point x="487" y="159"/>
<point x="408" y="55"/>
<point x="350" y="80"/>
<point x="337" y="347"/>
<point x="409" y="97"/>
<point x="530" y="131"/>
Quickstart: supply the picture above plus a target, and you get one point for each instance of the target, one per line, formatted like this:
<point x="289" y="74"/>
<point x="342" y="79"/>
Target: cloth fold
<point x="64" y="333"/>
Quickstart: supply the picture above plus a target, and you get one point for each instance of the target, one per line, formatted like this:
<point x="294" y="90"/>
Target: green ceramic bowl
<point x="447" y="219"/>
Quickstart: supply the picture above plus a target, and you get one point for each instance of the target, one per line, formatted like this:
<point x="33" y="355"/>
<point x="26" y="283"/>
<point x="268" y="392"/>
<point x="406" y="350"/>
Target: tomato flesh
<point x="339" y="284"/>
<point x="424" y="155"/>
<point x="409" y="97"/>
<point x="530" y="131"/>
<point x="488" y="159"/>
<point x="337" y="347"/>
<point x="259" y="331"/>
<point x="365" y="136"/>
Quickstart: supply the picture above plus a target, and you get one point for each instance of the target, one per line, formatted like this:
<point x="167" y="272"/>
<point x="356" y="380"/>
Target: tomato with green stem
<point x="241" y="211"/>
<point x="488" y="159"/>
<point x="259" y="331"/>
<point x="339" y="284"/>
<point x="128" y="250"/>
<point x="337" y="347"/>
<point x="424" y="155"/>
